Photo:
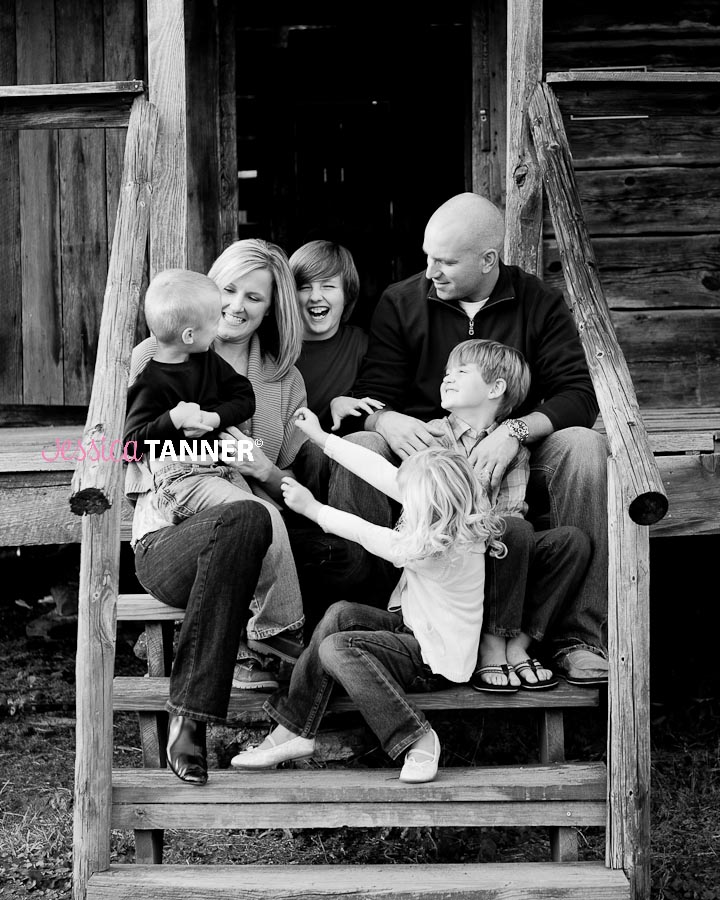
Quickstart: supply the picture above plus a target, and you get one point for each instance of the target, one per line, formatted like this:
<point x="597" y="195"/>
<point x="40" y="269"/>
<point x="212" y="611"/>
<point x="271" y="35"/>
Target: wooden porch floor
<point x="35" y="477"/>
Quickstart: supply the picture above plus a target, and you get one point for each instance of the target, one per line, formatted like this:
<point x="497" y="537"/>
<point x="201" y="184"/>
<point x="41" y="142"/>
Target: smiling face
<point x="458" y="269"/>
<point x="245" y="303"/>
<point x="464" y="388"/>
<point x="321" y="306"/>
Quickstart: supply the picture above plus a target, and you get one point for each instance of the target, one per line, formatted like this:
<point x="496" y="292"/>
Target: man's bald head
<point x="463" y="241"/>
<point x="476" y="217"/>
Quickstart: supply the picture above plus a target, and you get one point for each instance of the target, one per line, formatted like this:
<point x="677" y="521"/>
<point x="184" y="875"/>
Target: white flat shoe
<point x="420" y="765"/>
<point x="268" y="757"/>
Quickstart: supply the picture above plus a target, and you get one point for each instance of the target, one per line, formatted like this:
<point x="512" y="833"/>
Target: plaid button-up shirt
<point x="509" y="499"/>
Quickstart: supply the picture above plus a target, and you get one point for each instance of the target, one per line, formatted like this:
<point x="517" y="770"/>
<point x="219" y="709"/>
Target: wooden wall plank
<point x="654" y="141"/>
<point x="167" y="90"/>
<point x="82" y="201"/>
<point x="11" y="328"/>
<point x="639" y="272"/>
<point x="662" y="200"/>
<point x="39" y="216"/>
<point x="227" y="99"/>
<point x="622" y="99"/>
<point x="103" y="113"/>
<point x="123" y="59"/>
<point x="693" y="486"/>
<point x="203" y="175"/>
<point x="672" y="355"/>
<point x="489" y="88"/>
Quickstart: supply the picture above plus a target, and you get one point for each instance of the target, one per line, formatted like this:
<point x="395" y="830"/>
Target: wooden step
<point x="561" y="794"/>
<point x="481" y="881"/>
<point x="144" y="694"/>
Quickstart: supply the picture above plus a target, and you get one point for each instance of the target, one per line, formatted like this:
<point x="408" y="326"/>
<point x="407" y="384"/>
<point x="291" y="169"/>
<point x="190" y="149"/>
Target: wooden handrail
<point x="95" y="482"/>
<point x="628" y="440"/>
<point x="96" y="488"/>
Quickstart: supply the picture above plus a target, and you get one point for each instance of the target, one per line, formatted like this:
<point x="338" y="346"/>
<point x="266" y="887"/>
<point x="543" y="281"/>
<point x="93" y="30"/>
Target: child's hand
<point x="187" y="417"/>
<point x="299" y="499"/>
<point x="309" y="424"/>
<point x="201" y="425"/>
<point x="340" y="407"/>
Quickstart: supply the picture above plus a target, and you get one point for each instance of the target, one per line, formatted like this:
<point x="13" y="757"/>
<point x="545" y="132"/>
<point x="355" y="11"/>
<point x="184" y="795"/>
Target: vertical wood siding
<point x="58" y="197"/>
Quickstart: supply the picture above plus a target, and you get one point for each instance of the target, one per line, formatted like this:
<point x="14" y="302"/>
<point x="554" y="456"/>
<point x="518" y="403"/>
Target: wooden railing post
<point x="636" y="498"/>
<point x="523" y="209"/>
<point x="96" y="489"/>
<point x="628" y="828"/>
<point x="610" y="374"/>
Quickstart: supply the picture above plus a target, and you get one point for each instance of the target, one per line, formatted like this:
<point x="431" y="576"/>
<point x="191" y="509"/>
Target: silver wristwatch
<point x="518" y="429"/>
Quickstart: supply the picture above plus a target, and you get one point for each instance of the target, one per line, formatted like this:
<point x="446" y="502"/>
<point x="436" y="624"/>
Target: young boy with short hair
<point x="186" y="393"/>
<point x="484" y="382"/>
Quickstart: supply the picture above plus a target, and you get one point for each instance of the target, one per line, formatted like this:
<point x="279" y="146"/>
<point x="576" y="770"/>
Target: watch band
<point x="518" y="429"/>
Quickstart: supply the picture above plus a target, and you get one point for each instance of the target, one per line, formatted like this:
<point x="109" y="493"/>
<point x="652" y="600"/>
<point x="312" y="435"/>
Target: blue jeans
<point x="327" y="564"/>
<point x="207" y="565"/>
<point x="528" y="589"/>
<point x="372" y="654"/>
<point x="568" y="486"/>
<point x="185" y="490"/>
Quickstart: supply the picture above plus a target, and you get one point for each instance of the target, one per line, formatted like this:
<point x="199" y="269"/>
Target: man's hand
<point x="340" y="407"/>
<point x="309" y="424"/>
<point x="299" y="499"/>
<point x="405" y="434"/>
<point x="494" y="455"/>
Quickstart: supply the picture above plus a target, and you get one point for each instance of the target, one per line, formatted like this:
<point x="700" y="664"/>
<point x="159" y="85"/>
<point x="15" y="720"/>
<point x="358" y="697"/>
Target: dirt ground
<point x="37" y="747"/>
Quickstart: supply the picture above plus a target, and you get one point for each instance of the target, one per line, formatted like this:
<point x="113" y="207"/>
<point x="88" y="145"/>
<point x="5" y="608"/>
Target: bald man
<point x="467" y="291"/>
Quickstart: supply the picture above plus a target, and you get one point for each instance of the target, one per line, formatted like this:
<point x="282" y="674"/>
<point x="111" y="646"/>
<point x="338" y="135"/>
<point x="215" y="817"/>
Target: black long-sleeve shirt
<point x="204" y="378"/>
<point x="413" y="331"/>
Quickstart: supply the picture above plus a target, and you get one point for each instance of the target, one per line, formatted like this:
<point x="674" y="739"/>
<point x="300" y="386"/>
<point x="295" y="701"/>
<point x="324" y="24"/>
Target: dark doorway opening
<point x="351" y="127"/>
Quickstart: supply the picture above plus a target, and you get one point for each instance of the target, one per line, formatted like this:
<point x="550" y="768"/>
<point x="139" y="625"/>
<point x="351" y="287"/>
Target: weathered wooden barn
<point x="302" y="120"/>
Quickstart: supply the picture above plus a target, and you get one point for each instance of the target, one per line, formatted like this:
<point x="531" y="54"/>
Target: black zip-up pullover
<point x="413" y="331"/>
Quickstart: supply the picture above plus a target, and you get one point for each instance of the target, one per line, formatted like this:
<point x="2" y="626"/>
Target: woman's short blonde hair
<point x="280" y="333"/>
<point x="444" y="507"/>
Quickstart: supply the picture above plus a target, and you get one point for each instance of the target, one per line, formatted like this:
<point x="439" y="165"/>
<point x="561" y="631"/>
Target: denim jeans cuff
<point x="401" y="746"/>
<point x="280" y="719"/>
<point x="260" y="633"/>
<point x="195" y="714"/>
<point x="568" y="646"/>
<point x="501" y="632"/>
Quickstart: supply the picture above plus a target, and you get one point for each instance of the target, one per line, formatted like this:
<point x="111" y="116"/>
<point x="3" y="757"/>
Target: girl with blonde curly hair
<point x="430" y="633"/>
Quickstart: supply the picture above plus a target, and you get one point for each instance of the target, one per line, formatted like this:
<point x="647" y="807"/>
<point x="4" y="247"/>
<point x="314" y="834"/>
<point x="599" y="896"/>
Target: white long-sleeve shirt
<point x="441" y="599"/>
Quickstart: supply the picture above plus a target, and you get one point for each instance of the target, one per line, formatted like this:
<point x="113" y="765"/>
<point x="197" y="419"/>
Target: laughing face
<point x="321" y="306"/>
<point x="245" y="303"/>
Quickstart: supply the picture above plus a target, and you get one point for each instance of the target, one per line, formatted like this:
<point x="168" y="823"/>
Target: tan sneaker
<point x="249" y="675"/>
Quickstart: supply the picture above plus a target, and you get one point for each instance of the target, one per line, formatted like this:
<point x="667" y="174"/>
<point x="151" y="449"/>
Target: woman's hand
<point x="309" y="424"/>
<point x="252" y="463"/>
<point x="341" y="407"/>
<point x="299" y="499"/>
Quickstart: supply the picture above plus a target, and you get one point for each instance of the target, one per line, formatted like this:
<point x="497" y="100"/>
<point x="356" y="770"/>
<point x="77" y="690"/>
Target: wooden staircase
<point x="559" y="795"/>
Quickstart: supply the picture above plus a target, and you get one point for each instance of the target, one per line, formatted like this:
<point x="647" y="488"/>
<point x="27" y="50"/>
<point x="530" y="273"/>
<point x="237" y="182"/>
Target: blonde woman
<point x="431" y="631"/>
<point x="260" y="336"/>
